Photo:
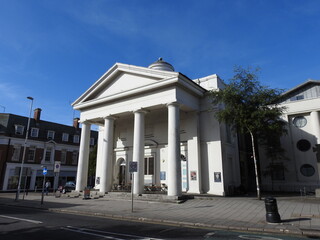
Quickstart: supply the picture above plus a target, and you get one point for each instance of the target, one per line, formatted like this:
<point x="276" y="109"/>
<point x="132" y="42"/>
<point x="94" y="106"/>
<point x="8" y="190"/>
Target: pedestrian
<point x="47" y="186"/>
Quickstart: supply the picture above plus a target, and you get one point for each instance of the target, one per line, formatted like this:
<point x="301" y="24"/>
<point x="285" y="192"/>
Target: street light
<point x="24" y="150"/>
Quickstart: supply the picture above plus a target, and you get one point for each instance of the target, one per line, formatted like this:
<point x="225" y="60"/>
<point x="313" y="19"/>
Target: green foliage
<point x="249" y="106"/>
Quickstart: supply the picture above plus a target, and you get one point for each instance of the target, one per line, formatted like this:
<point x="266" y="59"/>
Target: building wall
<point x="301" y="163"/>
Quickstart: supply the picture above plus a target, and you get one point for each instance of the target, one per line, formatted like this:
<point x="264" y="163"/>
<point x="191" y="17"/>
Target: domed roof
<point x="161" y="65"/>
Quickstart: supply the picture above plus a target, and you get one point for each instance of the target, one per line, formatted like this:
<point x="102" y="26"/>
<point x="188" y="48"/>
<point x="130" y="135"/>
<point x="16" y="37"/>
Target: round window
<point x="300" y="121"/>
<point x="303" y="145"/>
<point x="307" y="170"/>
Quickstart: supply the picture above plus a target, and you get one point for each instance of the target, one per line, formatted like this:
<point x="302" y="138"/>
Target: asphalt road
<point x="35" y="224"/>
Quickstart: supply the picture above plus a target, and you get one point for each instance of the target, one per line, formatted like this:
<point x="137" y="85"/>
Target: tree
<point x="251" y="109"/>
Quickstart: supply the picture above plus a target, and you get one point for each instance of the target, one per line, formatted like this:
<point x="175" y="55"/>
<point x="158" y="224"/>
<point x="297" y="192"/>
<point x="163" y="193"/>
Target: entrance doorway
<point x="122" y="172"/>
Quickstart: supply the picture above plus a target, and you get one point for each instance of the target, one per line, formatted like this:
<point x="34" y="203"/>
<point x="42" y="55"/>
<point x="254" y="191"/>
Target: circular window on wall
<point x="303" y="145"/>
<point x="300" y="121"/>
<point x="307" y="170"/>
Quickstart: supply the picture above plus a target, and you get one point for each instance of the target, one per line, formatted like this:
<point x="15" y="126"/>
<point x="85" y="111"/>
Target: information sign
<point x="133" y="167"/>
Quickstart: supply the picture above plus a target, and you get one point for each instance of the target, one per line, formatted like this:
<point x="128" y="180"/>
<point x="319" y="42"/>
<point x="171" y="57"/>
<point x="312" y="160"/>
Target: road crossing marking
<point x="21" y="219"/>
<point x="105" y="234"/>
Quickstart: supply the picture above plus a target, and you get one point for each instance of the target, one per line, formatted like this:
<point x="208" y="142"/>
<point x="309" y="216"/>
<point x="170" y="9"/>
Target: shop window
<point x="91" y="141"/>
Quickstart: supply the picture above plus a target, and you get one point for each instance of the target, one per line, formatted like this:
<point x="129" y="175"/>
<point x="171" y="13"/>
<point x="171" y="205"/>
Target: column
<point x="174" y="162"/>
<point x="107" y="155"/>
<point x="315" y="119"/>
<point x="83" y="162"/>
<point x="138" y="151"/>
<point x="33" y="179"/>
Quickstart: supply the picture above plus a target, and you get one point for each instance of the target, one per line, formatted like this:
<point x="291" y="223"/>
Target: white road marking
<point x="21" y="219"/>
<point x="105" y="234"/>
<point x="252" y="237"/>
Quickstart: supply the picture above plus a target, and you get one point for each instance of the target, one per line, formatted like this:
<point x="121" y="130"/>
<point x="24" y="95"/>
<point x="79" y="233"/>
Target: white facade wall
<point x="124" y="90"/>
<point x="308" y="107"/>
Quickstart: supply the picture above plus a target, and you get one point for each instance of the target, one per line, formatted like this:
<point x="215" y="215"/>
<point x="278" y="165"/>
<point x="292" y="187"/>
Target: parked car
<point x="68" y="187"/>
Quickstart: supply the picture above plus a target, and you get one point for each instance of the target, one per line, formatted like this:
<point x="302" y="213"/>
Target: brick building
<point x="47" y="143"/>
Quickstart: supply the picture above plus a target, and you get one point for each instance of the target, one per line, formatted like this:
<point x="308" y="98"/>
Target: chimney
<point x="76" y="123"/>
<point x="37" y="113"/>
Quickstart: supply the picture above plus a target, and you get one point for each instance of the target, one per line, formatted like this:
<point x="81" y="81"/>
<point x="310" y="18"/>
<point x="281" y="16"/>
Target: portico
<point x="151" y="116"/>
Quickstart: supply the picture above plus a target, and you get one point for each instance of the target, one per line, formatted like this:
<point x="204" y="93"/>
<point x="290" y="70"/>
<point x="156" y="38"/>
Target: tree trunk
<point x="255" y="165"/>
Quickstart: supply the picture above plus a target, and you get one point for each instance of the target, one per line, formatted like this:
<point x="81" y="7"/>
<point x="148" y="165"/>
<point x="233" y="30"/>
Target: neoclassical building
<point x="165" y="122"/>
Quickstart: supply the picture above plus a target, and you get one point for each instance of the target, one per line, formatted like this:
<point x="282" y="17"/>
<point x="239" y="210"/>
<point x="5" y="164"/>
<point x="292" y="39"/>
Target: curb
<point x="297" y="232"/>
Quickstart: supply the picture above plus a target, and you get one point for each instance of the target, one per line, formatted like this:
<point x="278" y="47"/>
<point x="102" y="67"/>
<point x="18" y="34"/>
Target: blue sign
<point x="45" y="171"/>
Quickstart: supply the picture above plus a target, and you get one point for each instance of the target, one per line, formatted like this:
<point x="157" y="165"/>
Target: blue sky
<point x="55" y="50"/>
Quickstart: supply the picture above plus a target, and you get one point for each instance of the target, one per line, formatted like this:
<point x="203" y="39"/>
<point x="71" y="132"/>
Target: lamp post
<point x="24" y="150"/>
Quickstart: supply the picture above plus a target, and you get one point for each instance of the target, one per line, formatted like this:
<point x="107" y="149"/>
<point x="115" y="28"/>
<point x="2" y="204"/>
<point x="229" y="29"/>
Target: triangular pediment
<point x="122" y="78"/>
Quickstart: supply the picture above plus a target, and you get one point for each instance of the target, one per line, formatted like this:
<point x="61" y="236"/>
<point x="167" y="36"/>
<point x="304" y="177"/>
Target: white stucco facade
<point x="301" y="168"/>
<point x="164" y="121"/>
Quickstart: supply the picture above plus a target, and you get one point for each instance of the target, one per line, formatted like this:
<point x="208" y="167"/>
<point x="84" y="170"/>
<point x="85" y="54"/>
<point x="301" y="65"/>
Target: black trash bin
<point x="272" y="214"/>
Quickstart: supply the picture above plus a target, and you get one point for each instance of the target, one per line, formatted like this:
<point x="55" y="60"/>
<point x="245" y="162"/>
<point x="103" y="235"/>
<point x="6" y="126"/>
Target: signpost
<point x="133" y="167"/>
<point x="44" y="172"/>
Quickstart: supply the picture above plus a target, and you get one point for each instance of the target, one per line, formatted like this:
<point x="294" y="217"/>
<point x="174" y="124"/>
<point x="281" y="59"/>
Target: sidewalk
<point x="299" y="215"/>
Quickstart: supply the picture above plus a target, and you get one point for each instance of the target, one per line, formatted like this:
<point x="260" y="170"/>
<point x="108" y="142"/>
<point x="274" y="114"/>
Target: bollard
<point x="272" y="215"/>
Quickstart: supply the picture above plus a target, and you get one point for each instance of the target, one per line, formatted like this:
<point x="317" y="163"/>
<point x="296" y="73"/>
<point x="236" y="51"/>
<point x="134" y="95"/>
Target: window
<point x="63" y="156"/>
<point x="300" y="121"/>
<point x="31" y="154"/>
<point x="91" y="141"/>
<point x="76" y="138"/>
<point x="149" y="165"/>
<point x="34" y="132"/>
<point x="74" y="157"/>
<point x="48" y="155"/>
<point x="296" y="98"/>
<point x="50" y="135"/>
<point x="19" y="129"/>
<point x="303" y="145"/>
<point x="16" y="153"/>
<point x="307" y="170"/>
<point x="65" y="137"/>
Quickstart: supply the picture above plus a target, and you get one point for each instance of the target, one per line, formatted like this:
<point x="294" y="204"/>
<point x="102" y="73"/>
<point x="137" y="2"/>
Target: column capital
<point x="110" y="117"/>
<point x="140" y="110"/>
<point x="177" y="104"/>
<point x="84" y="121"/>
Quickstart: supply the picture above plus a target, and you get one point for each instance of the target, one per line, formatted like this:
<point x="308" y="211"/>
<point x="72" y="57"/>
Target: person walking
<point x="47" y="186"/>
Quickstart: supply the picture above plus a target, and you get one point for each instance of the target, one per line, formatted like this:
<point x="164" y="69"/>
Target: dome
<point x="161" y="65"/>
